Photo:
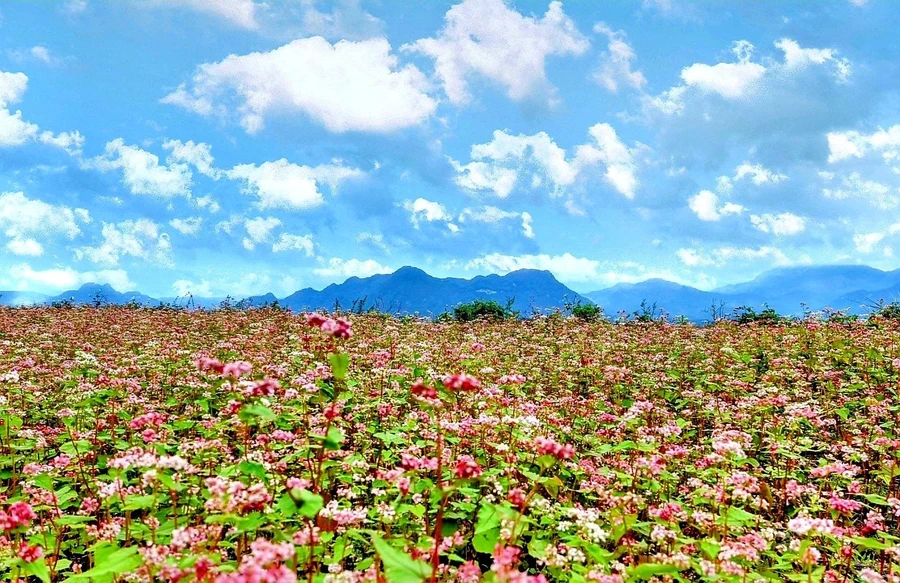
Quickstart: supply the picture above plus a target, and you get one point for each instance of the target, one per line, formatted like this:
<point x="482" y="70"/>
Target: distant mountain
<point x="787" y="290"/>
<point x="673" y="298"/>
<point x="411" y="290"/>
<point x="90" y="293"/>
<point x="21" y="298"/>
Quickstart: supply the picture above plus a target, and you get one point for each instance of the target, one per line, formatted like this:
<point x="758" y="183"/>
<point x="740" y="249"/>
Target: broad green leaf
<point x="340" y="363"/>
<point x="398" y="566"/>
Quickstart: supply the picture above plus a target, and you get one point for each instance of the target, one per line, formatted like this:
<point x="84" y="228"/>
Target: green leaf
<point x="487" y="529"/>
<point x="334" y="439"/>
<point x="114" y="563"/>
<point x="251" y="468"/>
<point x="255" y="411"/>
<point x="138" y="502"/>
<point x="37" y="569"/>
<point x="310" y="504"/>
<point x="398" y="566"/>
<point x="738" y="516"/>
<point x="648" y="570"/>
<point x="340" y="363"/>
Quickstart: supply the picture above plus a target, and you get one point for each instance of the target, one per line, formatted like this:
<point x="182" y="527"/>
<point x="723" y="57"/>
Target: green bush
<point x="587" y="312"/>
<point x="767" y="316"/>
<point x="484" y="309"/>
<point x="889" y="311"/>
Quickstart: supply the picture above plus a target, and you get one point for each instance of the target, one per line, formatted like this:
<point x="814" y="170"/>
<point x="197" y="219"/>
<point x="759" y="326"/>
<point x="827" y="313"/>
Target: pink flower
<point x="462" y="382"/>
<point x="467" y="467"/>
<point x="236" y="369"/>
<point x="29" y="553"/>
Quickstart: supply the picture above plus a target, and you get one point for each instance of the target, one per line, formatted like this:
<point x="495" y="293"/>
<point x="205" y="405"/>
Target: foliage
<point x="587" y="312"/>
<point x="485" y="310"/>
<point x="231" y="446"/>
<point x="766" y="317"/>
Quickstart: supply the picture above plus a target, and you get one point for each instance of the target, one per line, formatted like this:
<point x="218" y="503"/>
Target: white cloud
<point x="289" y="242"/>
<point x="429" y="211"/>
<point x="186" y="287"/>
<point x="724" y="255"/>
<point x="375" y="240"/>
<point x="241" y="13"/>
<point x="24" y="220"/>
<point x="615" y="68"/>
<point x="141" y="239"/>
<point x="337" y="267"/>
<point x="141" y="171"/>
<point x="488" y="39"/>
<point x="866" y="243"/>
<point x="346" y="20"/>
<point x="25" y="247"/>
<point x="14" y="131"/>
<point x="60" y="278"/>
<point x="855" y="186"/>
<point x="853" y="144"/>
<point x="282" y="184"/>
<point x="621" y="171"/>
<point x="758" y="174"/>
<point x="499" y="164"/>
<point x="744" y="79"/>
<point x="566" y="266"/>
<point x="206" y="202"/>
<point x="780" y="224"/>
<point x="348" y="86"/>
<point x="493" y="215"/>
<point x="198" y="155"/>
<point x="705" y="205"/>
<point x="188" y="226"/>
<point x="729" y="80"/>
<point x="259" y="230"/>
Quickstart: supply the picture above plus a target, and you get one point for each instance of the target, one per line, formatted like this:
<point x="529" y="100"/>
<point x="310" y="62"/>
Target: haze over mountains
<point x="790" y="290"/>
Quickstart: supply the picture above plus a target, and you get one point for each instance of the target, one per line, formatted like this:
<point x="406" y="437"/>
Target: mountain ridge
<point x="409" y="290"/>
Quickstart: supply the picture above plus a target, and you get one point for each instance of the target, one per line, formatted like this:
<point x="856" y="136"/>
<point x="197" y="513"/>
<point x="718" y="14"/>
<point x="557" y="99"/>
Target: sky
<point x="239" y="147"/>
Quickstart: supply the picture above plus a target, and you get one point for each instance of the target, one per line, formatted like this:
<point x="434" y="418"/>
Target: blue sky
<point x="241" y="147"/>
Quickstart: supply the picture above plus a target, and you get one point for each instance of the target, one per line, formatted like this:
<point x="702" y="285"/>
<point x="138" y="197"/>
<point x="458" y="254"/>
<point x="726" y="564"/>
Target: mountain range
<point x="788" y="290"/>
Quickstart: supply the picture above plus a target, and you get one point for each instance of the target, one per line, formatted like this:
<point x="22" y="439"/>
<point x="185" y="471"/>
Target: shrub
<point x="587" y="312"/>
<point x="767" y="316"/>
<point x="484" y="309"/>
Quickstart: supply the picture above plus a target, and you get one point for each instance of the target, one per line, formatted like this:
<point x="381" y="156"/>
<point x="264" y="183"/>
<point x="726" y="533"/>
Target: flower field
<point x="263" y="446"/>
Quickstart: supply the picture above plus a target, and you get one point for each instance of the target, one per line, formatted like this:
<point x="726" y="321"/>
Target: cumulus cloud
<point x="345" y="87"/>
<point x="343" y="268"/>
<point x="282" y="184"/>
<point x="240" y="13"/>
<point x="197" y="155"/>
<point x="705" y="205"/>
<point x="142" y="171"/>
<point x="853" y="144"/>
<point x="26" y="222"/>
<point x="140" y="238"/>
<point x="188" y="226"/>
<point x="290" y="242"/>
<point x="615" y="68"/>
<point x="746" y="78"/>
<point x="427" y="211"/>
<point x="488" y="39"/>
<point x="853" y="185"/>
<point x="61" y="278"/>
<point x="14" y="131"/>
<point x="492" y="215"/>
<point x="757" y="174"/>
<point x="259" y="230"/>
<point x="780" y="225"/>
<point x="499" y="165"/>
<point x="722" y="256"/>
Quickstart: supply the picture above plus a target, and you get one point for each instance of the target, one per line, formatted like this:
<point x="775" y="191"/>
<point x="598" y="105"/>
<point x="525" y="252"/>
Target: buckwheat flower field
<point x="264" y="446"/>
